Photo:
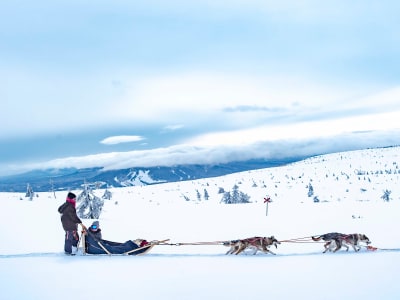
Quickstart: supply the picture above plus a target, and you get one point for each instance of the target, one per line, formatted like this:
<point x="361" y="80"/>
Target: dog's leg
<point x="350" y="243"/>
<point x="231" y="249"/>
<point x="266" y="250"/>
<point x="344" y="245"/>
<point x="357" y="244"/>
<point x="240" y="249"/>
<point x="327" y="246"/>
<point x="338" y="245"/>
<point x="235" y="249"/>
<point x="269" y="251"/>
<point x="355" y="238"/>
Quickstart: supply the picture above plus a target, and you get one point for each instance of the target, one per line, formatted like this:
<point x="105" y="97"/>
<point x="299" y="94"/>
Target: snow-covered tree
<point x="386" y="195"/>
<point x="52" y="190"/>
<point x="206" y="195"/>
<point x="235" y="196"/>
<point x="198" y="195"/>
<point x="89" y="205"/>
<point x="244" y="198"/>
<point x="29" y="192"/>
<point x="185" y="197"/>
<point x="226" y="198"/>
<point x="107" y="194"/>
<point x="310" y="190"/>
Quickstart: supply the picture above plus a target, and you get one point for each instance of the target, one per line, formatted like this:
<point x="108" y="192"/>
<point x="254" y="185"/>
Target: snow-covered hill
<point x="361" y="175"/>
<point x="349" y="186"/>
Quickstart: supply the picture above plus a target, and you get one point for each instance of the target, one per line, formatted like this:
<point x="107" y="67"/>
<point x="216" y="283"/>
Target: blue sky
<point x="165" y="82"/>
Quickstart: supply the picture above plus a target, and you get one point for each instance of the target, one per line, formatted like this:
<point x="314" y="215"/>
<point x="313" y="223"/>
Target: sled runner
<point x="92" y="245"/>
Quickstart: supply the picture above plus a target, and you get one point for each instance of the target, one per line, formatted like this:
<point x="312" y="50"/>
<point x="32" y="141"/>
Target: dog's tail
<point x="316" y="238"/>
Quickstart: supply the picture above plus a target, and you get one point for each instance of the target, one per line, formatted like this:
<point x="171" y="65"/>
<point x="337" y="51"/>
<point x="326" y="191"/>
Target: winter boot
<point x="74" y="250"/>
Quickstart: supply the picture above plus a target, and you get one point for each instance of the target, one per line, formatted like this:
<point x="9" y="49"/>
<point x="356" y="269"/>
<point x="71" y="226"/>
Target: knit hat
<point x="95" y="225"/>
<point x="71" y="196"/>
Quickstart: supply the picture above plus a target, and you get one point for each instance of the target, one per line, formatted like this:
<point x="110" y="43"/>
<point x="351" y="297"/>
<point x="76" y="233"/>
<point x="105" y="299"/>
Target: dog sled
<point x="96" y="246"/>
<point x="93" y="245"/>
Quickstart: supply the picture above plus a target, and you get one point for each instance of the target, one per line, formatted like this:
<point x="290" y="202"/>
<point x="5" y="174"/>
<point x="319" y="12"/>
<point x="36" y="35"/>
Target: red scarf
<point x="72" y="201"/>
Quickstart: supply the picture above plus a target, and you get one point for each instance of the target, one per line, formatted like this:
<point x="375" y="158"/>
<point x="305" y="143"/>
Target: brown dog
<point x="255" y="243"/>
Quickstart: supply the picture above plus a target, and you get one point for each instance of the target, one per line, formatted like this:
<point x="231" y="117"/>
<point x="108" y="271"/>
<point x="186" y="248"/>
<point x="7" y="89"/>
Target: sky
<point x="33" y="265"/>
<point x="161" y="80"/>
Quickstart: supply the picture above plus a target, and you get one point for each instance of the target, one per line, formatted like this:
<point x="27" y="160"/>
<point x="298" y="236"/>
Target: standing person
<point x="70" y="221"/>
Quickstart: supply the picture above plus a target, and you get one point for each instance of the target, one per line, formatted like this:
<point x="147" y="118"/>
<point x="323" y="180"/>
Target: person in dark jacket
<point x="70" y="221"/>
<point x="95" y="230"/>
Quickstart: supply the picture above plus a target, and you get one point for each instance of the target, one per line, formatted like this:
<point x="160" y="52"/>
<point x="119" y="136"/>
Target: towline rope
<point x="306" y="239"/>
<point x="195" y="243"/>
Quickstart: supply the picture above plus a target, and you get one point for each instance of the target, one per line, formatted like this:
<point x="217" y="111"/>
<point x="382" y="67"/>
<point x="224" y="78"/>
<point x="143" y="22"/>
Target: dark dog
<point x="332" y="238"/>
<point x="335" y="240"/>
<point x="255" y="243"/>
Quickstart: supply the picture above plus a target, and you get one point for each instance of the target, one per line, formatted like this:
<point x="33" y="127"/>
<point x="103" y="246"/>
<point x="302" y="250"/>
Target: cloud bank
<point x="113" y="140"/>
<point x="225" y="153"/>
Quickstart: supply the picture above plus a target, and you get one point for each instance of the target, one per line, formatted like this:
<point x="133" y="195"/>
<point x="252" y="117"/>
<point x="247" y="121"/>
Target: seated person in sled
<point x="94" y="244"/>
<point x="95" y="229"/>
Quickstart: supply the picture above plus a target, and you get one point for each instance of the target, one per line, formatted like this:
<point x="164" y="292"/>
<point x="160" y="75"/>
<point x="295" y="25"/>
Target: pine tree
<point x="310" y="190"/>
<point x="386" y="195"/>
<point x="206" y="195"/>
<point x="226" y="198"/>
<point x="29" y="192"/>
<point x="244" y="198"/>
<point x="235" y="196"/>
<point x="52" y="188"/>
<point x="198" y="195"/>
<point x="107" y="194"/>
<point x="89" y="205"/>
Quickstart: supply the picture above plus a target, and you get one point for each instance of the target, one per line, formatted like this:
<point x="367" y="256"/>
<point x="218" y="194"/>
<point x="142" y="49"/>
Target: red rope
<point x="307" y="239"/>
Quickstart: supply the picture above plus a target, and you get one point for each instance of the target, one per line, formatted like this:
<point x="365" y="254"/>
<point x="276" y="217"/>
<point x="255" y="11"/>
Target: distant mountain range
<point x="71" y="178"/>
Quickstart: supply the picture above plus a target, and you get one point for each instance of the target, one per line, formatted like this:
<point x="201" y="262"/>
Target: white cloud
<point x="173" y="127"/>
<point x="299" y="131"/>
<point x="113" y="140"/>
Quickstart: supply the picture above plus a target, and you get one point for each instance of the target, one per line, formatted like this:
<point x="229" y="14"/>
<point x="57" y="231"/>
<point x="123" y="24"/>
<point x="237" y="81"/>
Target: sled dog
<point x="254" y="243"/>
<point x="353" y="240"/>
<point x="331" y="239"/>
<point x="335" y="241"/>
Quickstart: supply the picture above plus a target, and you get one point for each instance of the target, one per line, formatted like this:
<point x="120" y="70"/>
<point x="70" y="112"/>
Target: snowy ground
<point x="349" y="186"/>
